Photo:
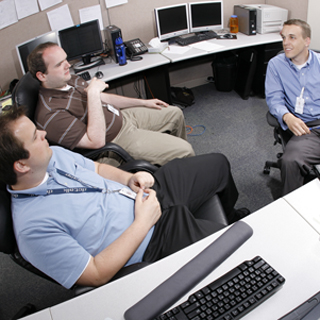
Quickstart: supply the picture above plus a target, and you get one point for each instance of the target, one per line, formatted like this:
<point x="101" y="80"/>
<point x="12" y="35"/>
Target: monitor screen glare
<point x="25" y="48"/>
<point x="205" y="16"/>
<point x="172" y="21"/>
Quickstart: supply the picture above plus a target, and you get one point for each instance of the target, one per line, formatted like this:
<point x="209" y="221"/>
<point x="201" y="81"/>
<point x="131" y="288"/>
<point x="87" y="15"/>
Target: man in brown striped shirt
<point x="76" y="114"/>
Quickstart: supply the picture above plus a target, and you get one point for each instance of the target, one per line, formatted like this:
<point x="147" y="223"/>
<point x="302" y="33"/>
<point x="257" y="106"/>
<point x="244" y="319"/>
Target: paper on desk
<point x="45" y="4"/>
<point x="26" y="8"/>
<point x="60" y="18"/>
<point x="6" y="103"/>
<point x="206" y="46"/>
<point x="176" y="50"/>
<point x="8" y="13"/>
<point x="113" y="3"/>
<point x="91" y="13"/>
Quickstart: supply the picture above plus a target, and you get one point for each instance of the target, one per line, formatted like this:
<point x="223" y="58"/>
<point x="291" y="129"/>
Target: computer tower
<point x="111" y="34"/>
<point x="247" y="19"/>
<point x="247" y="62"/>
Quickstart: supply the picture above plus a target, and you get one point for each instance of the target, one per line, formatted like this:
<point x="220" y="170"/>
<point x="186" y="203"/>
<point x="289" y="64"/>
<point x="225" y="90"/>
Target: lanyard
<point x="86" y="188"/>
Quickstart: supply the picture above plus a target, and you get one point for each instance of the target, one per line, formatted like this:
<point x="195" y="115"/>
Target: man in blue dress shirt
<point x="293" y="96"/>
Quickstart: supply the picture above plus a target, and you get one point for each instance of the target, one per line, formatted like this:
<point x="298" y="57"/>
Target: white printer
<point x="269" y="18"/>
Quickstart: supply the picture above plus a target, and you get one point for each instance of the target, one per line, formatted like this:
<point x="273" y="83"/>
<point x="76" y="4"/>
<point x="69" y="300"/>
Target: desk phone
<point x="135" y="47"/>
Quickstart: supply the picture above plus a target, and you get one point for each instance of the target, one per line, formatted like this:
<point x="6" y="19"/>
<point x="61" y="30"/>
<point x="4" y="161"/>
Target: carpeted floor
<point x="234" y="127"/>
<point x="238" y="129"/>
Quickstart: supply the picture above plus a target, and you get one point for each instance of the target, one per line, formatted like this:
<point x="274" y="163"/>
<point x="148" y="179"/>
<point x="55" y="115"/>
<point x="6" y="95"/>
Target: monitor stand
<point x="87" y="63"/>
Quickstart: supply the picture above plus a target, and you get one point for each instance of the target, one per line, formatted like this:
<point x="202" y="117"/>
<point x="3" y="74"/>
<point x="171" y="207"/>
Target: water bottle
<point x="234" y="28"/>
<point x="121" y="52"/>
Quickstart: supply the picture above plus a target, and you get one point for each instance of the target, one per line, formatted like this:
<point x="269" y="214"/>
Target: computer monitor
<point x="82" y="41"/>
<point x="205" y="16"/>
<point x="172" y="21"/>
<point x="25" y="48"/>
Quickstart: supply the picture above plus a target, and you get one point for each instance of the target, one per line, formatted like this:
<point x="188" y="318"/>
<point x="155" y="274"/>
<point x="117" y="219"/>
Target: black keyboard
<point x="189" y="39"/>
<point x="231" y="296"/>
<point x="85" y="75"/>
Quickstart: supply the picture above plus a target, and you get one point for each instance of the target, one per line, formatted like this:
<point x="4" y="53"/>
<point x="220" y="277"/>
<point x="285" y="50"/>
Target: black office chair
<point x="282" y="137"/>
<point x="25" y="93"/>
<point x="211" y="210"/>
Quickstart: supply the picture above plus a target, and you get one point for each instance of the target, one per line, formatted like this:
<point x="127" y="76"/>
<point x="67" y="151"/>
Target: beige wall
<point x="313" y="20"/>
<point x="135" y="19"/>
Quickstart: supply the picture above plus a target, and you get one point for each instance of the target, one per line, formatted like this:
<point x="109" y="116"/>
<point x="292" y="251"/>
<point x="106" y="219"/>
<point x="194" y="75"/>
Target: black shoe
<point x="239" y="214"/>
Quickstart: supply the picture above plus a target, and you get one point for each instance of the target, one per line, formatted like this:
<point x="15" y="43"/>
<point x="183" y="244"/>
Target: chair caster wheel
<point x="266" y="170"/>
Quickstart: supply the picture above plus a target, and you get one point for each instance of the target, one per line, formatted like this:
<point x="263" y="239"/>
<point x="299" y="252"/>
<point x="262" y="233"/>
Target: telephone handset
<point x="135" y="47"/>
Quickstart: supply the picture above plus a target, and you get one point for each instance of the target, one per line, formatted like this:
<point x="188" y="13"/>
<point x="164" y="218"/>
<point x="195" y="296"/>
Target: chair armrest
<point x="95" y="154"/>
<point x="139" y="165"/>
<point x="272" y="121"/>
<point x="212" y="210"/>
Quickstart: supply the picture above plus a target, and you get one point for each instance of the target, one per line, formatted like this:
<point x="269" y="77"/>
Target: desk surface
<point x="281" y="237"/>
<point x="305" y="201"/>
<point x="242" y="41"/>
<point x="112" y="70"/>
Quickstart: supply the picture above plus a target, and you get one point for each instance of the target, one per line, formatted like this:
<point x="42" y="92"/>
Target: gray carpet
<point x="234" y="127"/>
<point x="238" y="129"/>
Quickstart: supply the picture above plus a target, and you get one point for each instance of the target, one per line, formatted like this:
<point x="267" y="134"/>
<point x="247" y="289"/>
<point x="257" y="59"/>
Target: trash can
<point x="224" y="68"/>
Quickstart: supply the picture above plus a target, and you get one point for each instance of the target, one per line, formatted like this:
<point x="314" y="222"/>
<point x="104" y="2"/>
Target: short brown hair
<point x="35" y="58"/>
<point x="11" y="148"/>
<point x="306" y="30"/>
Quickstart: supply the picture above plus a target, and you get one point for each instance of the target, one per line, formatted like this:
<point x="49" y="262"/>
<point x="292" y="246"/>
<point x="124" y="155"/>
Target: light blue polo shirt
<point x="57" y="233"/>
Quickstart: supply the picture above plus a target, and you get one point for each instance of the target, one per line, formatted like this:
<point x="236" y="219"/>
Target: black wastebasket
<point x="224" y="68"/>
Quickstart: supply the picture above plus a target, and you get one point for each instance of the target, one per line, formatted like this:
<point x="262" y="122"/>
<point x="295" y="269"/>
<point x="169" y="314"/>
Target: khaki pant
<point x="157" y="136"/>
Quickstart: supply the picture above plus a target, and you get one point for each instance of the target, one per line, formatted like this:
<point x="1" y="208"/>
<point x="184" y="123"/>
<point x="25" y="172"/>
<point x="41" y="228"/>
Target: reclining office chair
<point x="25" y="93"/>
<point x="282" y="137"/>
<point x="211" y="210"/>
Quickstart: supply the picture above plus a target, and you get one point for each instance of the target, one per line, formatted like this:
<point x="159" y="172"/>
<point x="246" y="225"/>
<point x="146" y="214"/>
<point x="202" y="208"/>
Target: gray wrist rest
<point x="181" y="282"/>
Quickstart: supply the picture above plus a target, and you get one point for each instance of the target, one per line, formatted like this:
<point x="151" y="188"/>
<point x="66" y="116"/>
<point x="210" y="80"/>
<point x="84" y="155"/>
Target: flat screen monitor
<point x="82" y="41"/>
<point x="172" y="21"/>
<point x="25" y="48"/>
<point x="205" y="16"/>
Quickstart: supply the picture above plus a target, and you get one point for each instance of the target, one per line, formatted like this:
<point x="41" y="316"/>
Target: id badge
<point x="113" y="109"/>
<point x="299" y="105"/>
<point x="128" y="193"/>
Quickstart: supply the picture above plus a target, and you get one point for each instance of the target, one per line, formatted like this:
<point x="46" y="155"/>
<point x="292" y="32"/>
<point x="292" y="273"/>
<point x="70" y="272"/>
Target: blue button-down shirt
<point x="284" y="83"/>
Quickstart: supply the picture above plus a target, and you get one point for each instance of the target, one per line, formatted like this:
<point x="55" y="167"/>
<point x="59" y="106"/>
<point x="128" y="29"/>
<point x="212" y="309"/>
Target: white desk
<point x="242" y="41"/>
<point x="281" y="237"/>
<point x="112" y="70"/>
<point x="306" y="201"/>
<point x="44" y="314"/>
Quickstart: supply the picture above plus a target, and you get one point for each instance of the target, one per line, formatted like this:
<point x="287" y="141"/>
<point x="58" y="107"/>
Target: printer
<point x="269" y="18"/>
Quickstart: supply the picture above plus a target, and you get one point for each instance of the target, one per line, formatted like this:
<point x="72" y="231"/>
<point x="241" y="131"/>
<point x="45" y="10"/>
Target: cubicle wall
<point x="135" y="18"/>
<point x="313" y="20"/>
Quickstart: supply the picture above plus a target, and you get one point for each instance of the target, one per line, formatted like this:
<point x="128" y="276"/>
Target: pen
<point x="312" y="128"/>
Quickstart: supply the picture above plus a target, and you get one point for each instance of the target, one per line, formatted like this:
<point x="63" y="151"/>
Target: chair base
<point x="270" y="164"/>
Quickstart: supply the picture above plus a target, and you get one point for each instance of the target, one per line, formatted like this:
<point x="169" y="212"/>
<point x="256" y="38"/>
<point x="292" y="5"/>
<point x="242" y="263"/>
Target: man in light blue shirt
<point x="293" y="96"/>
<point x="81" y="221"/>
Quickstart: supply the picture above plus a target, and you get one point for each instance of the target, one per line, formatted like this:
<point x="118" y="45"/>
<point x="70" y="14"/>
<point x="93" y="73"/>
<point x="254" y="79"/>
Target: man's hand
<point x="147" y="209"/>
<point x="141" y="180"/>
<point x="155" y="103"/>
<point x="96" y="85"/>
<point x="296" y="125"/>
